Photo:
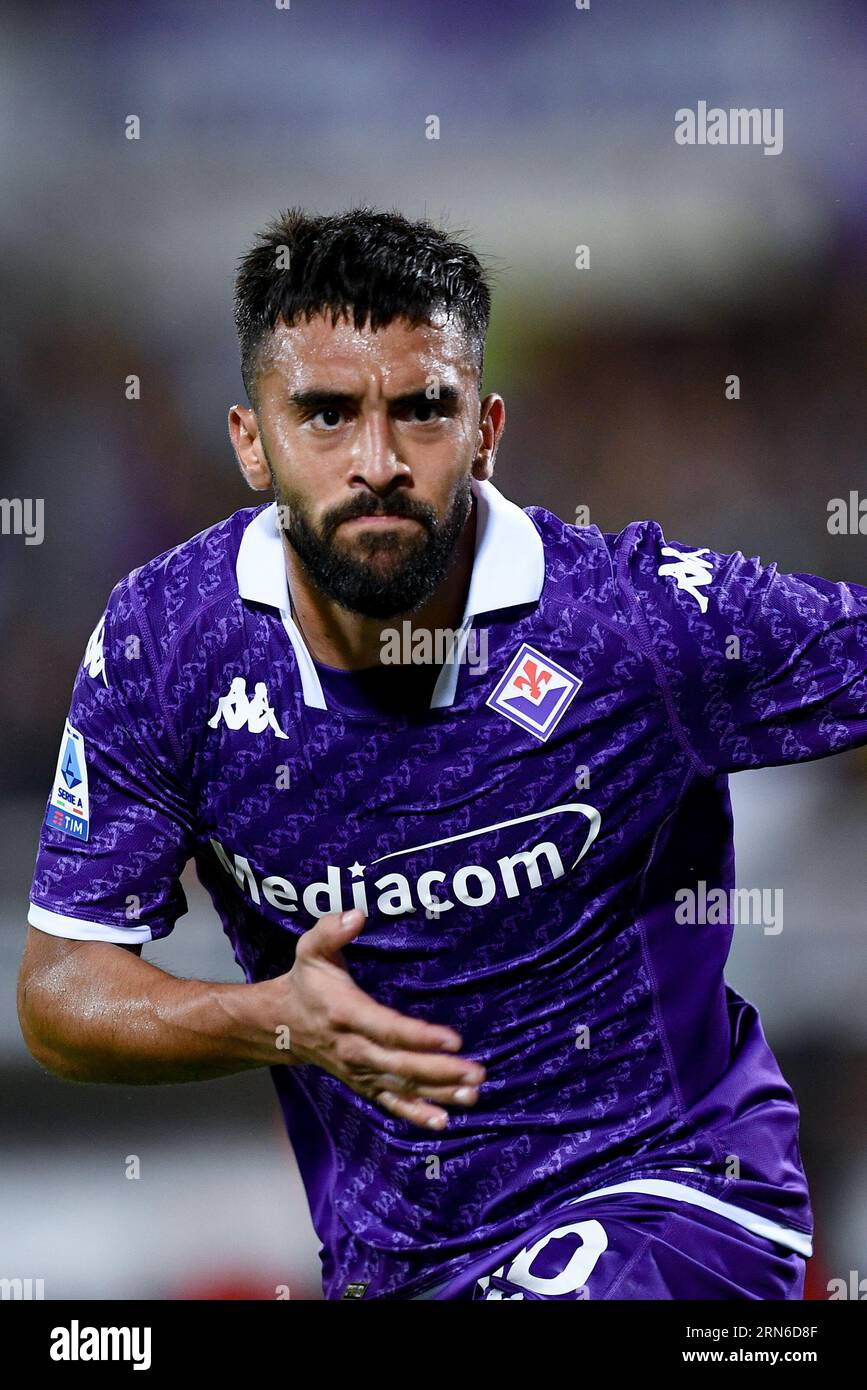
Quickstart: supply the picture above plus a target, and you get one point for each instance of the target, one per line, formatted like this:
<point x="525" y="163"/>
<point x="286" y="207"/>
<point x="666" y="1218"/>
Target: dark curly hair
<point x="373" y="266"/>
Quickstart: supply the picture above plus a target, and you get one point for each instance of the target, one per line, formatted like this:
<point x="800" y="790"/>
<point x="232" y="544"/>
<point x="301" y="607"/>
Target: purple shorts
<point x="632" y="1246"/>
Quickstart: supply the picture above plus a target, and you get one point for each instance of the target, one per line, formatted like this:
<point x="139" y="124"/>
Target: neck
<point x="352" y="642"/>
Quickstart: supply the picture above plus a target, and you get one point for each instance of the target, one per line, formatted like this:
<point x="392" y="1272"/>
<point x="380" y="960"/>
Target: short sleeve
<point x="761" y="668"/>
<point x="117" y="829"/>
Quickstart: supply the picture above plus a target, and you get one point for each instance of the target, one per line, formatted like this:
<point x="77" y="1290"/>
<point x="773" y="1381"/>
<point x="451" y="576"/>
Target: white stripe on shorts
<point x="798" y="1241"/>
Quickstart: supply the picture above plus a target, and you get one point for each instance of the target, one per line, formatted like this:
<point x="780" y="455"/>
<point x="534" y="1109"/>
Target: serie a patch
<point x="68" y="808"/>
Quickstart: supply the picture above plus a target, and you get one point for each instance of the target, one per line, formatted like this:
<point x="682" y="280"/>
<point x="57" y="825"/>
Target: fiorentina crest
<point x="535" y="692"/>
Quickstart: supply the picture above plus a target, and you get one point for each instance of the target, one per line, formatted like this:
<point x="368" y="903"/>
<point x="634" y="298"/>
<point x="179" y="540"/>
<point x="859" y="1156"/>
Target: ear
<point x="244" y="434"/>
<point x="492" y="422"/>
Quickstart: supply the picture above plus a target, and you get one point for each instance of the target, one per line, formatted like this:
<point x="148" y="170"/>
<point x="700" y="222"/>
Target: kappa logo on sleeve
<point x="94" y="652"/>
<point x="688" y="572"/>
<point x="69" y="807"/>
<point x="535" y="692"/>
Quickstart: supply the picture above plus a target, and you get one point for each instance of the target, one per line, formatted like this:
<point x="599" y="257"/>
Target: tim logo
<point x="535" y="692"/>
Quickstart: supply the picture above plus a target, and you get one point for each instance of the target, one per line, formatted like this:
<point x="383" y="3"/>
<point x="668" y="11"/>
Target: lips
<point x="380" y="521"/>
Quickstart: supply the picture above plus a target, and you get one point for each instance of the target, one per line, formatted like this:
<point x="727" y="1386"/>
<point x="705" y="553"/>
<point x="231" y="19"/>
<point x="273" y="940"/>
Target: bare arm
<point x="95" y="1011"/>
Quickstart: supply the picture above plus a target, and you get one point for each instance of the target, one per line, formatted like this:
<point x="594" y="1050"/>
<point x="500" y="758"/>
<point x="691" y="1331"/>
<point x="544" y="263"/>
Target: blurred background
<point x="556" y="131"/>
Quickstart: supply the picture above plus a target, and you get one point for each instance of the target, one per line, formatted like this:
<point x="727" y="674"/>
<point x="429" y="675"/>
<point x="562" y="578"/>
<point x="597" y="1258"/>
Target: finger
<point x="442" y="1095"/>
<point x="420" y="1112"/>
<point x="370" y="1083"/>
<point x="331" y="933"/>
<point x="409" y="1070"/>
<point x="359" y="1013"/>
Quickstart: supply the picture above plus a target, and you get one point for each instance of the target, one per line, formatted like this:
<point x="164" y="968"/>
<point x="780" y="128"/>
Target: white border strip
<point x="680" y="1192"/>
<point x="57" y="924"/>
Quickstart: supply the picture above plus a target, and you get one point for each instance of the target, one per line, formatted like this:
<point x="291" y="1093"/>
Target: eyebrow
<point x="319" y="399"/>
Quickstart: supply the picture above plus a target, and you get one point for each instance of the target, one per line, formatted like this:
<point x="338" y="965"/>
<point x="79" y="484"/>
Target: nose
<point x="378" y="461"/>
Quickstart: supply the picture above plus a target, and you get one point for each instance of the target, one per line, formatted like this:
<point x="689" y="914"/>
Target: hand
<point x="401" y="1063"/>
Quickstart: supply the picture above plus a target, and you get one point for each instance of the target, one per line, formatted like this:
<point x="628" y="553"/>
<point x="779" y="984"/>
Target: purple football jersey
<point x="520" y="831"/>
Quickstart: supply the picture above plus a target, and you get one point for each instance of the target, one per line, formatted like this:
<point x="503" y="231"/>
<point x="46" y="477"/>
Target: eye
<point x="423" y="412"/>
<point x="330" y="416"/>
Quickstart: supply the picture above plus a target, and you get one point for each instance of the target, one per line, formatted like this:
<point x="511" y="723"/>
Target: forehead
<point x="341" y="354"/>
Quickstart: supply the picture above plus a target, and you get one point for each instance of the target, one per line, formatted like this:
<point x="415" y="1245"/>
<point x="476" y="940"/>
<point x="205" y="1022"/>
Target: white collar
<point x="508" y="566"/>
<point x="508" y="569"/>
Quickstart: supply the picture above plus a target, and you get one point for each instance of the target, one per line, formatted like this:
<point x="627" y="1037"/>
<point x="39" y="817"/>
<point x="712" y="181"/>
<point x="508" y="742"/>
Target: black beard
<point x="354" y="583"/>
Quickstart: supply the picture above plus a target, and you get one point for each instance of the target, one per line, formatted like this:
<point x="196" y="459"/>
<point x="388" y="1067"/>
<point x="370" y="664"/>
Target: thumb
<point x="332" y="932"/>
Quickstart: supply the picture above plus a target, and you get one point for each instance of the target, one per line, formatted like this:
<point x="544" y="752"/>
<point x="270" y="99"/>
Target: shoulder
<point x="174" y="591"/>
<point x="645" y="560"/>
<point x="572" y="552"/>
<point x="607" y="567"/>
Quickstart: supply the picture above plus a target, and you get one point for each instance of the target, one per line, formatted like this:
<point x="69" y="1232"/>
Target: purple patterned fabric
<point x="519" y="876"/>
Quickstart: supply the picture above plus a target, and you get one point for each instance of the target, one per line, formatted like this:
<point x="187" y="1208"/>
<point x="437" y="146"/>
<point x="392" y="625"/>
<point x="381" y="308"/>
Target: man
<point x="507" y="1067"/>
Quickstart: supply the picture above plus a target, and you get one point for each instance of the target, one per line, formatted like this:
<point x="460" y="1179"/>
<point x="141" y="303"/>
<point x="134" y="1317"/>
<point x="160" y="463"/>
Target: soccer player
<point x="447" y="768"/>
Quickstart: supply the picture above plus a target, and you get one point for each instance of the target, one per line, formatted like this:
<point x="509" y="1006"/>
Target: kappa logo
<point x="237" y="710"/>
<point x="535" y="692"/>
<point x="94" y="652"/>
<point x="689" y="572"/>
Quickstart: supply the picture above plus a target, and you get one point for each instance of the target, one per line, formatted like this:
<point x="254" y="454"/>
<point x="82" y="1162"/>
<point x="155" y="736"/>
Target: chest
<point x="545" y="778"/>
